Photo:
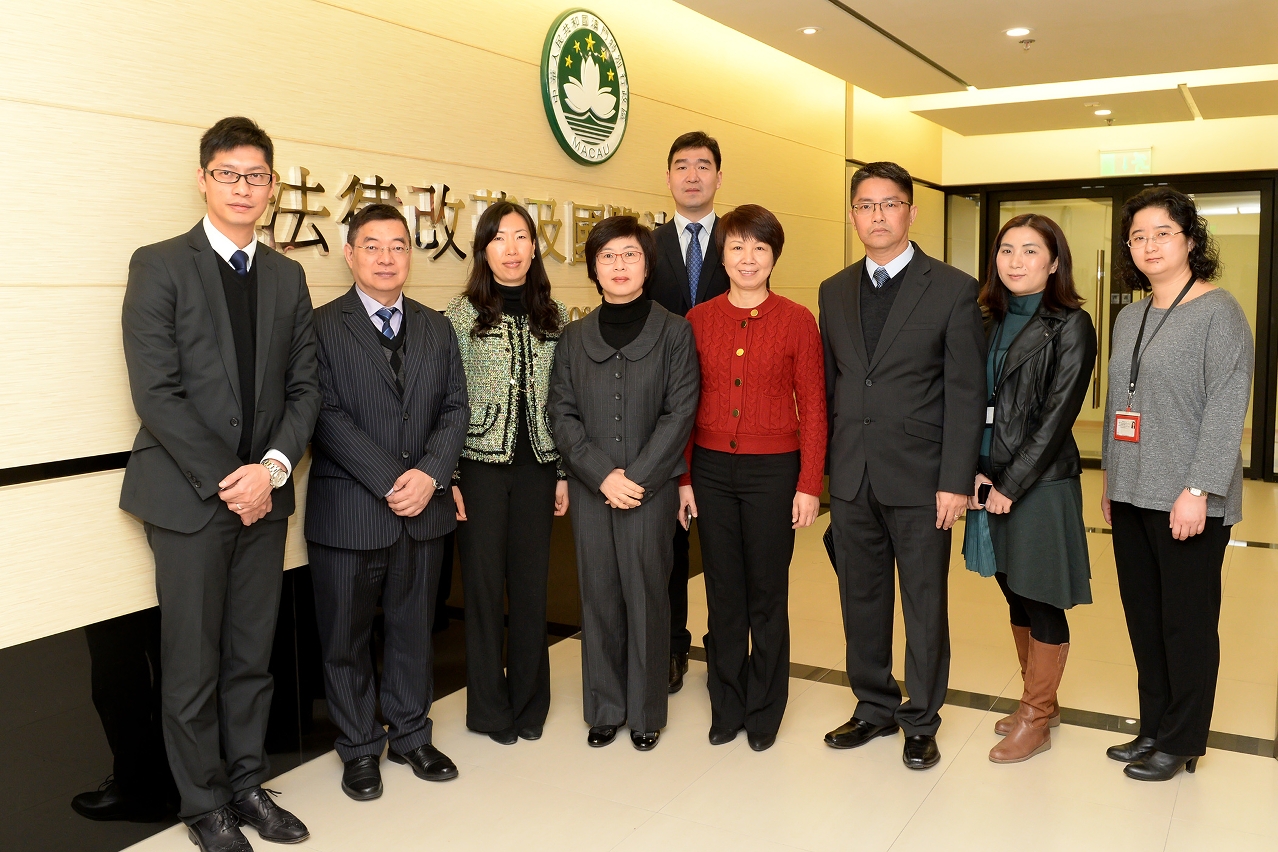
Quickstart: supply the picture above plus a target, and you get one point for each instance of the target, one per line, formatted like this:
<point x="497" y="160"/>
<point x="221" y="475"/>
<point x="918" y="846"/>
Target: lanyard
<point x="1137" y="354"/>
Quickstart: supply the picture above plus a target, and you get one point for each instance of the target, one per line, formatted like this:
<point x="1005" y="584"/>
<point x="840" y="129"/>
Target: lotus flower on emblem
<point x="585" y="93"/>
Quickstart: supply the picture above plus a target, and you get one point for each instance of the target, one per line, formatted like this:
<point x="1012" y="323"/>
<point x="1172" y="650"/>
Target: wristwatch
<point x="1197" y="492"/>
<point x="277" y="471"/>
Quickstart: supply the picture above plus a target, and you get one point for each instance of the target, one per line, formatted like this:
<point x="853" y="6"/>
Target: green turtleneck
<point x="1019" y="311"/>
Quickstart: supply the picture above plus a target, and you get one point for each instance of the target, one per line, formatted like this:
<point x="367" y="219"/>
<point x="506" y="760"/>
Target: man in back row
<point x="220" y="349"/>
<point x="687" y="272"/>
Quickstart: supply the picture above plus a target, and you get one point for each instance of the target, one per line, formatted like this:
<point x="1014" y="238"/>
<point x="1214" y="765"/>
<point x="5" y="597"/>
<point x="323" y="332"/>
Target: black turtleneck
<point x="621" y="324"/>
<point x="513" y="306"/>
<point x="512" y="300"/>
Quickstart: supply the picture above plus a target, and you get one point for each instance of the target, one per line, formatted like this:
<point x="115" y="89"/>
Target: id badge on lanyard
<point x="1127" y="426"/>
<point x="1127" y="423"/>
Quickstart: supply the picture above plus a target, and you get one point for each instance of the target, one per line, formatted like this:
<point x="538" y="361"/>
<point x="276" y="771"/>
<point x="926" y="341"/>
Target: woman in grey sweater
<point x="1179" y="381"/>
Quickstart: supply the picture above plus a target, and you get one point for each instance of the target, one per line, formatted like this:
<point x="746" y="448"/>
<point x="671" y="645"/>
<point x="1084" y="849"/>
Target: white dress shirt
<point x="685" y="238"/>
<point x="225" y="247"/>
<point x="373" y="306"/>
<point x="893" y="266"/>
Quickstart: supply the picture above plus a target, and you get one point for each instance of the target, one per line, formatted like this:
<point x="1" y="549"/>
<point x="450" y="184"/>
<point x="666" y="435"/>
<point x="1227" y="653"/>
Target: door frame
<point x="1121" y="188"/>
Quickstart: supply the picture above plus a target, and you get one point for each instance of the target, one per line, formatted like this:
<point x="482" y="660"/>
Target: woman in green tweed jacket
<point x="508" y="486"/>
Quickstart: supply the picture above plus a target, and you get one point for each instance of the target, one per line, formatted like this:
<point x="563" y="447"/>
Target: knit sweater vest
<point x="241" y="304"/>
<point x="876" y="304"/>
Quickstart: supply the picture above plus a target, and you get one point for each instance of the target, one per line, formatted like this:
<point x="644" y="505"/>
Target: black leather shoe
<point x="1159" y="766"/>
<point x="428" y="762"/>
<point x="1132" y="751"/>
<point x="506" y="737"/>
<point x="109" y="802"/>
<point x="722" y="736"/>
<point x="362" y="778"/>
<point x="530" y="732"/>
<point x="644" y="741"/>
<point x="760" y="742"/>
<point x="858" y="732"/>
<point x="601" y="735"/>
<point x="678" y="668"/>
<point x="921" y="752"/>
<point x="255" y="807"/>
<point x="218" y="832"/>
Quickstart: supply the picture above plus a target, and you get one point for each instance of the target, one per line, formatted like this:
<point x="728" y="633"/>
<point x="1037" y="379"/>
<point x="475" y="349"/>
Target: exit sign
<point x="1138" y="161"/>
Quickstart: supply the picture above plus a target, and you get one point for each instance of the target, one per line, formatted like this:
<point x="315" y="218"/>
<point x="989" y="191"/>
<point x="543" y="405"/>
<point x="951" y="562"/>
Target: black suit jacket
<point x="912" y="412"/>
<point x="668" y="283"/>
<point x="368" y="434"/>
<point x="184" y="378"/>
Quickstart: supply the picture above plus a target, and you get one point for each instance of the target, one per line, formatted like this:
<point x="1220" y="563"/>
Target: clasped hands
<point x="619" y="492"/>
<point x="247" y="492"/>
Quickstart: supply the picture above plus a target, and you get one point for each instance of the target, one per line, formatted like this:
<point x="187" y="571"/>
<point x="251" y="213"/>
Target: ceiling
<point x="910" y="48"/>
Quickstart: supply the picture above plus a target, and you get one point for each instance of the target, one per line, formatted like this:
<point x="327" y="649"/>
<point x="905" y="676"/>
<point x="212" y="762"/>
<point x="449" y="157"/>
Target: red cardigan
<point x="755" y="363"/>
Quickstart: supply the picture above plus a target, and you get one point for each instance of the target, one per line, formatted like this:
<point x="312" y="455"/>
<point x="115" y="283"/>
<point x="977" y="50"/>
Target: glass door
<point x="1088" y="227"/>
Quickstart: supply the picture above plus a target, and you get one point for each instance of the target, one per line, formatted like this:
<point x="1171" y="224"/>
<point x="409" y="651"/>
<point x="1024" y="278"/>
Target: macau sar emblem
<point x="584" y="87"/>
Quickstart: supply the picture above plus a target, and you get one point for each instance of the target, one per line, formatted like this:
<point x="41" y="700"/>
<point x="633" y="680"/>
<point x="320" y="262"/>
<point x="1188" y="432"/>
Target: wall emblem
<point x="584" y="87"/>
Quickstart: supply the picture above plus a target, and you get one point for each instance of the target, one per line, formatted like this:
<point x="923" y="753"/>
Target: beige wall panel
<point x="884" y="130"/>
<point x="101" y="567"/>
<point x="1220" y="145"/>
<point x="929" y="224"/>
<point x="318" y="70"/>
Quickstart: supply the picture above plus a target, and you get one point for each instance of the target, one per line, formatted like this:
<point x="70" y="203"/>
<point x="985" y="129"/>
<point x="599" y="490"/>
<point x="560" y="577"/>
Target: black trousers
<point x="505" y="553"/>
<point x="1046" y="623"/>
<point x="872" y="543"/>
<point x="1171" y="598"/>
<point x="348" y="584"/>
<point x="680" y="637"/>
<point x="744" y="505"/>
<point x="124" y="657"/>
<point x="219" y="591"/>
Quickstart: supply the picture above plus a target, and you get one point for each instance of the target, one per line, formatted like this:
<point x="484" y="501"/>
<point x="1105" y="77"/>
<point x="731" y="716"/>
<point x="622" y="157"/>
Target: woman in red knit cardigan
<point x="757" y="454"/>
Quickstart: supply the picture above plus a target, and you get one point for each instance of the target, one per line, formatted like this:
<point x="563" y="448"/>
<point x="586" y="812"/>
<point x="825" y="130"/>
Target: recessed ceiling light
<point x="1017" y="32"/>
<point x="1101" y="112"/>
<point x="971" y="88"/>
<point x="809" y="30"/>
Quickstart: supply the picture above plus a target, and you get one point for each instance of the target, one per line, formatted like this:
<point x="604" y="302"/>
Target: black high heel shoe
<point x="1159" y="766"/>
<point x="1132" y="751"/>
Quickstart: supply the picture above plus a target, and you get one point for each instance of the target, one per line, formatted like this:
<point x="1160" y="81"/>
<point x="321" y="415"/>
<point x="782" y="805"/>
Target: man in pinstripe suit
<point x="392" y="425"/>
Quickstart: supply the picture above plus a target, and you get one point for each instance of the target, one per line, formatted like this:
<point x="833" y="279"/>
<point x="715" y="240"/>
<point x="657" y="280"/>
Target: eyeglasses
<point x="375" y="251"/>
<point x="629" y="257"/>
<point x="228" y="176"/>
<point x="889" y="206"/>
<point x="1160" y="238"/>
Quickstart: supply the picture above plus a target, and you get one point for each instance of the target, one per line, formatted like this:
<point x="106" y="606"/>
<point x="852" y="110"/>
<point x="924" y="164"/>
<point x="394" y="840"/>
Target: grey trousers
<point x="624" y="559"/>
<point x="348" y="585"/>
<point x="872" y="543"/>
<point x="219" y="591"/>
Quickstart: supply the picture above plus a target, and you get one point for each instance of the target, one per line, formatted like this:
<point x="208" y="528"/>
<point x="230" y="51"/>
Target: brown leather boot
<point x="1022" y="637"/>
<point x="1031" y="734"/>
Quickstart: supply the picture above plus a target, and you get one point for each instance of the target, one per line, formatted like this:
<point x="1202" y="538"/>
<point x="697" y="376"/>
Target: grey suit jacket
<point x="631" y="409"/>
<point x="368" y="434"/>
<point x="911" y="413"/>
<point x="184" y="378"/>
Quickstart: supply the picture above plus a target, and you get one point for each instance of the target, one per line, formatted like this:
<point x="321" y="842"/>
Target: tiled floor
<point x="558" y="794"/>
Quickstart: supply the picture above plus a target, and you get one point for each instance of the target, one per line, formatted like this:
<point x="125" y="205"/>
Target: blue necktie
<point x="385" y="315"/>
<point x="881" y="277"/>
<point x="694" y="258"/>
<point x="239" y="262"/>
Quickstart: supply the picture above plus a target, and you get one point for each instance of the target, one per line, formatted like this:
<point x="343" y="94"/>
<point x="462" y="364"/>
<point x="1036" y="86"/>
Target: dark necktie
<point x="881" y="277"/>
<point x="694" y="258"/>
<point x="386" y="315"/>
<point x="240" y="262"/>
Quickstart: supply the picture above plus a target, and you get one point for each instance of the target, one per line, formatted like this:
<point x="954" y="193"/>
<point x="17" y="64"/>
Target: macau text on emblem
<point x="584" y="87"/>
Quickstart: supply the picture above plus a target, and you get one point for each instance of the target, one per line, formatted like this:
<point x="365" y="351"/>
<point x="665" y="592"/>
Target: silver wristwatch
<point x="279" y="475"/>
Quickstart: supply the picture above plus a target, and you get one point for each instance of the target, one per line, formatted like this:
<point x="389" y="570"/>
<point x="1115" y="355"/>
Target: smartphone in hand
<point x="983" y="493"/>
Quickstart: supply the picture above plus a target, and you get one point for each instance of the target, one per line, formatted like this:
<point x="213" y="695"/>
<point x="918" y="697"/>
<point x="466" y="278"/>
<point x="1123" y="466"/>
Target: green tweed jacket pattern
<point x="497" y="363"/>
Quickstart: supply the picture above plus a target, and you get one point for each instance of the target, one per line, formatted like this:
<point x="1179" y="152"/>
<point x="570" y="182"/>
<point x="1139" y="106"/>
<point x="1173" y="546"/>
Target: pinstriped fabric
<point x="347" y="586"/>
<point x="368" y="434"/>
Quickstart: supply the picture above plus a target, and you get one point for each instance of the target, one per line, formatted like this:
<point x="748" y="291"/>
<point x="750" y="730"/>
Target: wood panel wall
<point x="101" y="109"/>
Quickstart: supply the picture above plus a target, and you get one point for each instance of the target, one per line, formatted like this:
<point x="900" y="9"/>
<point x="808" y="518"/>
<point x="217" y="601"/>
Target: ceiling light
<point x="971" y="88"/>
<point x="809" y="30"/>
<point x="1101" y="112"/>
<point x="1017" y="32"/>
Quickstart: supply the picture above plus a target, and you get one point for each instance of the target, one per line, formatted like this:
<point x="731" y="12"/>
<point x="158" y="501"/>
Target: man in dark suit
<point x="905" y="386"/>
<point x="389" y="433"/>
<point x="221" y="357"/>
<point x="688" y="271"/>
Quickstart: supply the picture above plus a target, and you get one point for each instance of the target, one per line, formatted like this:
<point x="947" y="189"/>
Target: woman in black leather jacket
<point x="1042" y="348"/>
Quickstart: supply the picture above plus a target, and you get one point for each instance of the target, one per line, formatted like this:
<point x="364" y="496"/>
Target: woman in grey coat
<point x="623" y="395"/>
